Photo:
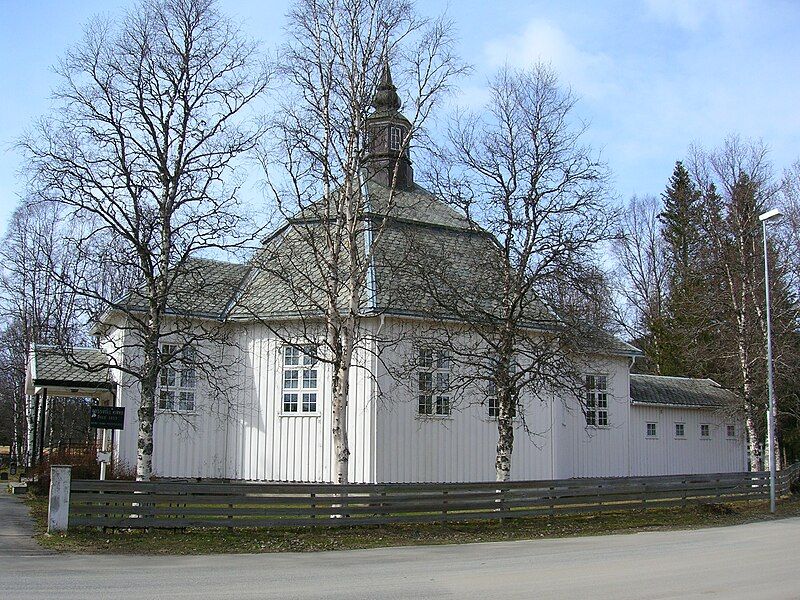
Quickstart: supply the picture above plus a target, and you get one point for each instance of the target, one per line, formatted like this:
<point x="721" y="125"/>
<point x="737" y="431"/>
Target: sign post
<point x="106" y="418"/>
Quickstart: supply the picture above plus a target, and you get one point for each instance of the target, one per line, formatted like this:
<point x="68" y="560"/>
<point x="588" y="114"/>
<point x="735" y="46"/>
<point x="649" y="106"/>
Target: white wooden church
<point x="275" y="422"/>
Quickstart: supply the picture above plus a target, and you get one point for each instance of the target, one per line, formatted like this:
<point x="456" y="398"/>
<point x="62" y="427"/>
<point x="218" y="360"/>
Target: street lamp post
<point x="764" y="218"/>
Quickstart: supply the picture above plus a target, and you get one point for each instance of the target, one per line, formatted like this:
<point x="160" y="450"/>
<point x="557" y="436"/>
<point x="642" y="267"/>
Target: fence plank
<point x="180" y="504"/>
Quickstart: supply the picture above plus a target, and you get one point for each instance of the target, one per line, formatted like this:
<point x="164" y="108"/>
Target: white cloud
<point x="692" y="14"/>
<point x="542" y="40"/>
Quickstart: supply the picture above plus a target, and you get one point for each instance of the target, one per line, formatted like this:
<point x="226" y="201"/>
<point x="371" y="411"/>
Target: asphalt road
<point x="760" y="560"/>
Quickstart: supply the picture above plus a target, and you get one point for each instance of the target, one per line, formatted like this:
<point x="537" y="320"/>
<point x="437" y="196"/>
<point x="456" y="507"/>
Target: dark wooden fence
<point x="176" y="504"/>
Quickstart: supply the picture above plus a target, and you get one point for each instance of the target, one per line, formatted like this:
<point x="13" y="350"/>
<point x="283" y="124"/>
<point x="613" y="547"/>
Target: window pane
<point x="309" y="355"/>
<point x="186" y="401"/>
<point x="309" y="402"/>
<point x="167" y="376"/>
<point x="651" y="429"/>
<point x="425" y="404"/>
<point x="590" y="417"/>
<point x="443" y="360"/>
<point x="291" y="356"/>
<point x="494" y="407"/>
<point x="309" y="379"/>
<point x="442" y="381"/>
<point x="291" y="379"/>
<point x="731" y="431"/>
<point x="601" y="382"/>
<point x="679" y="429"/>
<point x="188" y="377"/>
<point x="425" y="382"/>
<point x="602" y="418"/>
<point x="425" y="358"/>
<point x="166" y="400"/>
<point x="290" y="402"/>
<point x="442" y="405"/>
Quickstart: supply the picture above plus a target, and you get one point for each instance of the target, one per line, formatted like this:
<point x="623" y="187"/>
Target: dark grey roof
<point x="203" y="288"/>
<point x="680" y="391"/>
<point x="426" y="256"/>
<point x="54" y="365"/>
<point x="416" y="205"/>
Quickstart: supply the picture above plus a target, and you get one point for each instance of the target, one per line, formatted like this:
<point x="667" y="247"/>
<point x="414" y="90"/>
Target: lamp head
<point x="770" y="215"/>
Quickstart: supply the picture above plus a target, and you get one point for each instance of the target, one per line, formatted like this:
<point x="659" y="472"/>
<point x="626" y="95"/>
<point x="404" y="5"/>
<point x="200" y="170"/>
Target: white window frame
<point x="728" y="434"/>
<point x="395" y="137"/>
<point x="177" y="381"/>
<point x="432" y="381"/>
<point x="597" y="410"/>
<point x="708" y="428"/>
<point x="647" y="434"/>
<point x="300" y="381"/>
<point x="682" y="434"/>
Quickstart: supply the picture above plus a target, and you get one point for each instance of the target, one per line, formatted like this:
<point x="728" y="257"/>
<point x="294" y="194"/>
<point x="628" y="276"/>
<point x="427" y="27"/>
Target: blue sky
<point x="653" y="76"/>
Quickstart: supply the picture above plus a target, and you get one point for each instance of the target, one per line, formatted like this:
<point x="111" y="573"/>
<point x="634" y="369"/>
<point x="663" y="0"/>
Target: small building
<point x="681" y="425"/>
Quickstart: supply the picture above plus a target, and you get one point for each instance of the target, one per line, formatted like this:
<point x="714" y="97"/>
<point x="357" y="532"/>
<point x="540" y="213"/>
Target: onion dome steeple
<point x="388" y="159"/>
<point x="386" y="98"/>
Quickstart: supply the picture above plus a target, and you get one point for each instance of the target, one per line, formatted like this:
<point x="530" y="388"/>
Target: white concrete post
<point x="58" y="506"/>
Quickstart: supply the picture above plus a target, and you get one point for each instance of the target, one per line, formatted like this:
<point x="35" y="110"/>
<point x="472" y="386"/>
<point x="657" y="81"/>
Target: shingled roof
<point x="424" y="244"/>
<point x="78" y="367"/>
<point x="680" y="391"/>
<point x="203" y="288"/>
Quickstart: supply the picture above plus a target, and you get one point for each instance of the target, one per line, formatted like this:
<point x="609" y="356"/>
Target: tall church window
<point x="597" y="400"/>
<point x="433" y="382"/>
<point x="300" y="381"/>
<point x="177" y="380"/>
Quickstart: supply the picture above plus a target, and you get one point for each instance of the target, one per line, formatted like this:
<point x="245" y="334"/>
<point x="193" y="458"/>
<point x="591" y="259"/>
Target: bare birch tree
<point x="520" y="171"/>
<point x="140" y="151"/>
<point x="339" y="98"/>
<point x="642" y="277"/>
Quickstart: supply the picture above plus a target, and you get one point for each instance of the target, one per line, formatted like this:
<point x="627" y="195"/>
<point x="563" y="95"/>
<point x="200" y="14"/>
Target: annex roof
<point x="69" y="371"/>
<point x="679" y="391"/>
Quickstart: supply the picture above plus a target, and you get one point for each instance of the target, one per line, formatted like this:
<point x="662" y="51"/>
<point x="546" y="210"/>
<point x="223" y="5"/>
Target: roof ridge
<point x="56" y="346"/>
<point x="673" y="377"/>
<point x="216" y="260"/>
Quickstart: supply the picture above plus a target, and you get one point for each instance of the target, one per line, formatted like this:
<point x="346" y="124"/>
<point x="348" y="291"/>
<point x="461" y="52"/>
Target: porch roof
<point x="69" y="371"/>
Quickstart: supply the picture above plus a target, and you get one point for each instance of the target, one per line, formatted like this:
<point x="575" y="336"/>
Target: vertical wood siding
<point x="667" y="454"/>
<point x="245" y="436"/>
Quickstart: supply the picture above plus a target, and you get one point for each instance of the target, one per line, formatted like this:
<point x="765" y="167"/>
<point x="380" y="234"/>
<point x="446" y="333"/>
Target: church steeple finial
<point x="386" y="98"/>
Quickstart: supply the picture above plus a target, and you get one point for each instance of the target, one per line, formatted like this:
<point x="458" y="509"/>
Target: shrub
<point x="83" y="462"/>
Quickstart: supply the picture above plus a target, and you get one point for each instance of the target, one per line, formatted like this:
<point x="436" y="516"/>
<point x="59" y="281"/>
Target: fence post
<point x="58" y="503"/>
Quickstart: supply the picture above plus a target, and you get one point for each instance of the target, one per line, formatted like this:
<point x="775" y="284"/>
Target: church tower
<point x="387" y="130"/>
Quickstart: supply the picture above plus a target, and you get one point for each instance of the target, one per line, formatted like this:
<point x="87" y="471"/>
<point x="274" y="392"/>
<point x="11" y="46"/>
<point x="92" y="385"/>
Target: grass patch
<point x="297" y="539"/>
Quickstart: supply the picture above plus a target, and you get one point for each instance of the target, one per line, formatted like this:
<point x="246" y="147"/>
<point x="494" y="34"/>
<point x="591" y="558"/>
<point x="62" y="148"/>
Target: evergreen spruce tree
<point x="685" y="318"/>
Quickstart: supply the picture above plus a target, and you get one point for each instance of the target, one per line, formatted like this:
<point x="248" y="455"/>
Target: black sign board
<point x="107" y="417"/>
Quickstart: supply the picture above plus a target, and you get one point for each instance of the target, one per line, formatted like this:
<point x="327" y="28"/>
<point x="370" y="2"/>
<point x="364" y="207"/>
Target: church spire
<point x="386" y="98"/>
<point x="388" y="159"/>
